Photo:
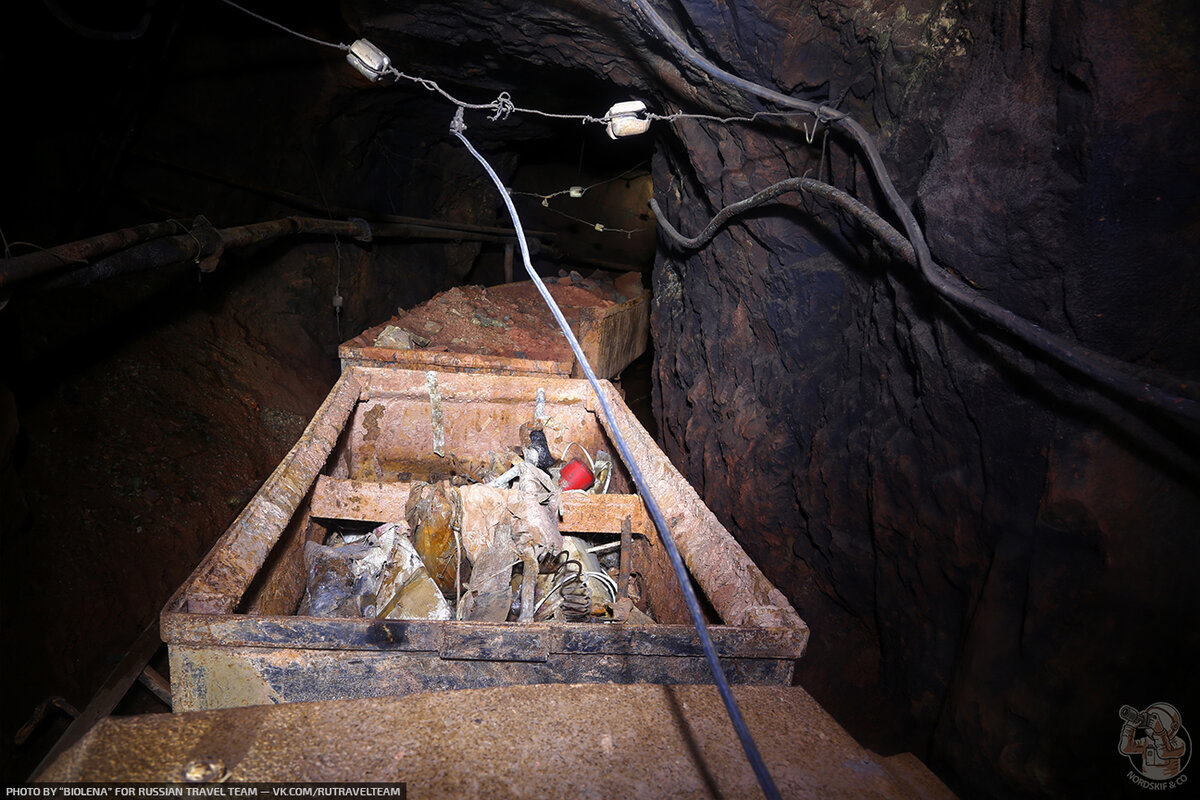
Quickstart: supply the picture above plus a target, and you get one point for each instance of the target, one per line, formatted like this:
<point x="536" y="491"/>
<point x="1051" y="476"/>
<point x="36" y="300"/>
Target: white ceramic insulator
<point x="620" y="127"/>
<point x="368" y="59"/>
<point x="623" y="120"/>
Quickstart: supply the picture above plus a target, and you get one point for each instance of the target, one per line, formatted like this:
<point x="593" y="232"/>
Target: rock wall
<point x="991" y="556"/>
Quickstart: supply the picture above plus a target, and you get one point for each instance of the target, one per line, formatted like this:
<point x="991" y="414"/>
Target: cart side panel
<point x="227" y="677"/>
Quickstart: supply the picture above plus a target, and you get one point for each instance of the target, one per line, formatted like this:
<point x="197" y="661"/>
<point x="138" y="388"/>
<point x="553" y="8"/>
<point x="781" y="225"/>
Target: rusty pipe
<point x="53" y="259"/>
<point x="204" y="245"/>
<point x="314" y="207"/>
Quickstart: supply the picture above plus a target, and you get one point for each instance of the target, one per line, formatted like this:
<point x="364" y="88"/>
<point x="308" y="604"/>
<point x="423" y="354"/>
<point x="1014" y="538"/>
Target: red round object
<point x="576" y="475"/>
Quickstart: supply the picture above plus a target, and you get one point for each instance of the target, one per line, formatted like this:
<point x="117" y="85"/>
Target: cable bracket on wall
<point x="366" y="235"/>
<point x="209" y="245"/>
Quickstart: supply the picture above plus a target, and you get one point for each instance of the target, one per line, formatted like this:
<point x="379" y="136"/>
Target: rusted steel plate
<point x="496" y="642"/>
<point x="667" y="743"/>
<point x="611" y="333"/>
<point x="384" y="382"/>
<point x="359" y="500"/>
<point x="604" y="513"/>
<point x="371" y="356"/>
<point x="283" y="577"/>
<point x="309" y="633"/>
<point x="613" y="339"/>
<point x="679" y="640"/>
<point x="368" y="501"/>
<point x="204" y="678"/>
<point x="392" y="434"/>
<point x="314" y="633"/>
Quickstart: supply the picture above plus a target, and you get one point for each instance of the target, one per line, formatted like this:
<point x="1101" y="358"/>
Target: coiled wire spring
<point x="568" y="583"/>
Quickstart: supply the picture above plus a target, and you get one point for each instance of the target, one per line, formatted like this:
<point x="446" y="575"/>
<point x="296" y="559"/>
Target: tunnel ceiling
<point x="990" y="550"/>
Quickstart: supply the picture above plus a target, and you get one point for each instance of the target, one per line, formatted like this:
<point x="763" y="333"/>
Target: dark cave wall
<point x="983" y="551"/>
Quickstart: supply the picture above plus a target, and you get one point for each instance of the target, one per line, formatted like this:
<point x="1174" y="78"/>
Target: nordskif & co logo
<point x="1157" y="744"/>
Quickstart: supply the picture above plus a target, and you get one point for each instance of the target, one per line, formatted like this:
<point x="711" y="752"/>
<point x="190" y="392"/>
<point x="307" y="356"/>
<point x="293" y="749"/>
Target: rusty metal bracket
<point x="626" y="556"/>
<point x="366" y="235"/>
<point x="209" y="242"/>
<point x="110" y="693"/>
<point x="156" y="683"/>
<point x="25" y="731"/>
<point x="435" y="410"/>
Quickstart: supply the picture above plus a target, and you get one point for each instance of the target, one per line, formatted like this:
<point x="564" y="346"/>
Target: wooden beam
<point x="336" y="498"/>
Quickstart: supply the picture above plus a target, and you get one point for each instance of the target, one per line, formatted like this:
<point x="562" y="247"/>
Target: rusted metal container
<point x="233" y="635"/>
<point x="472" y="329"/>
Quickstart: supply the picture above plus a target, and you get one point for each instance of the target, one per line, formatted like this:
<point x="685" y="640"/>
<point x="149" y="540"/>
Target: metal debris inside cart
<point x="483" y="544"/>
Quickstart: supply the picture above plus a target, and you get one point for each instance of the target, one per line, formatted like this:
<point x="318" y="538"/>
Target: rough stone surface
<point x="513" y="742"/>
<point x="970" y="548"/>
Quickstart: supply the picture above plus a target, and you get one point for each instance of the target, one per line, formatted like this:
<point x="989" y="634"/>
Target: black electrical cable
<point x="835" y="119"/>
<point x="1104" y="370"/>
<point x="1107" y="371"/>
<point x="345" y="48"/>
<point x="689" y="594"/>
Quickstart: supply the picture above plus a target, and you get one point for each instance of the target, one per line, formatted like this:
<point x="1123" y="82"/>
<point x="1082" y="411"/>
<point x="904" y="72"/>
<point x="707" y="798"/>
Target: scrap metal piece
<point x="435" y="407"/>
<point x="25" y="731"/>
<point x="626" y="557"/>
<point x="205" y="770"/>
<point x="156" y="683"/>
<point x="434" y="516"/>
<point x="489" y="595"/>
<point x="408" y="591"/>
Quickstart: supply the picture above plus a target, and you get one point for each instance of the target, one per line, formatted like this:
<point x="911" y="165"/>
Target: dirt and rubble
<point x="506" y="320"/>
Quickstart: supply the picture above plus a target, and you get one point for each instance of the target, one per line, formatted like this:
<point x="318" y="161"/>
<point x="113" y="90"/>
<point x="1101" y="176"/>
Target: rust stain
<point x="371" y="421"/>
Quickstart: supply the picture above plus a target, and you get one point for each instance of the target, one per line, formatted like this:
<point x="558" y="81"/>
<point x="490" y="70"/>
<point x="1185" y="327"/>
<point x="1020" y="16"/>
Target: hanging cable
<point x="457" y="127"/>
<point x="599" y="227"/>
<point x="345" y="48"/>
<point x="338" y="301"/>
<point x="578" y="191"/>
<point x="1107" y="371"/>
<point x="832" y="117"/>
<point x="133" y="34"/>
<point x="503" y="105"/>
<point x="1104" y="370"/>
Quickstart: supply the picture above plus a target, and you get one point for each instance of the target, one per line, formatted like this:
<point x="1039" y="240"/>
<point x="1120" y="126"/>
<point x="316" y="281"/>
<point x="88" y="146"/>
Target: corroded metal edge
<point x="352" y="354"/>
<point x="433" y="636"/>
<point x="732" y="582"/>
<point x="217" y="584"/>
